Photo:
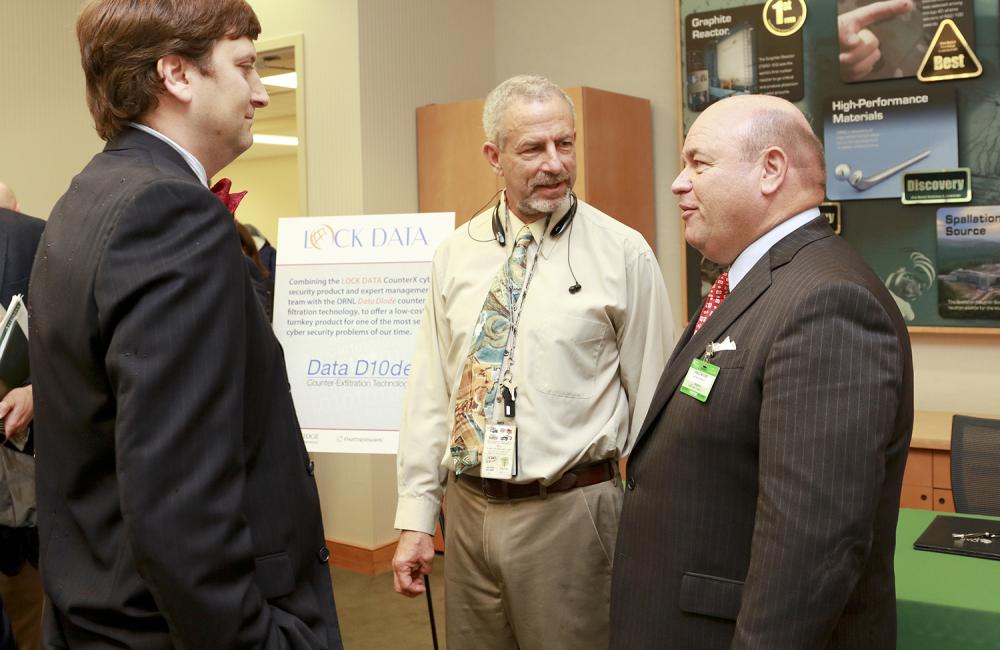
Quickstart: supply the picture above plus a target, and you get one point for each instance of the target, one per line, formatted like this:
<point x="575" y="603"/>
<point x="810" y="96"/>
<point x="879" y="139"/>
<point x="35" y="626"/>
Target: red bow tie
<point x="231" y="201"/>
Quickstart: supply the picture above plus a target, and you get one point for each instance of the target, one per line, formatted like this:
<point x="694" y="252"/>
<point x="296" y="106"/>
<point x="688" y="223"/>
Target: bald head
<point x="763" y="121"/>
<point x="750" y="162"/>
<point x="7" y="198"/>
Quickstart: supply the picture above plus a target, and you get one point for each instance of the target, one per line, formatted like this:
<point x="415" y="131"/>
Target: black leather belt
<point x="582" y="476"/>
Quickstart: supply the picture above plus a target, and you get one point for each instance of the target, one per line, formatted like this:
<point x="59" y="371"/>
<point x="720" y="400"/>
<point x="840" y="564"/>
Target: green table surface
<point x="943" y="601"/>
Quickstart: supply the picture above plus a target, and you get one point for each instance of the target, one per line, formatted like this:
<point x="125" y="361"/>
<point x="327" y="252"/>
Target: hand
<point x="859" y="47"/>
<point x="17" y="409"/>
<point x="413" y="560"/>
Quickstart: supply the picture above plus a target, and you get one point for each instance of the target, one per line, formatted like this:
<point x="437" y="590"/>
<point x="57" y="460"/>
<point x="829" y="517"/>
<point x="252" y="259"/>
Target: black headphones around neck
<point x="558" y="229"/>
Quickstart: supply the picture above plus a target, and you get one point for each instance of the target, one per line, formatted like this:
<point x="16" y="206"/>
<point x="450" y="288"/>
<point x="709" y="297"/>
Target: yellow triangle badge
<point x="949" y="56"/>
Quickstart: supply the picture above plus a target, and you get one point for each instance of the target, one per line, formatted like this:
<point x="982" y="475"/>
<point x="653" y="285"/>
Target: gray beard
<point x="533" y="205"/>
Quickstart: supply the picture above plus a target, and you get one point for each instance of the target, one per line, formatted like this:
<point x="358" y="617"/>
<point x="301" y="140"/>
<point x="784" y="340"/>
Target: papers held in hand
<point x="14" y="369"/>
<point x="962" y="536"/>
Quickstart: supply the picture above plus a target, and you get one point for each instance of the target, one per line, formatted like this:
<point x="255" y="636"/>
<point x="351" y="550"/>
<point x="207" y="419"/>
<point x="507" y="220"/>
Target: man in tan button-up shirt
<point x="529" y="558"/>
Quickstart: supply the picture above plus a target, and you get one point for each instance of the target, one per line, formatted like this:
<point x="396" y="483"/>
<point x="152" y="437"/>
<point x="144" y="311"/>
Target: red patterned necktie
<point x="231" y="201"/>
<point x="716" y="295"/>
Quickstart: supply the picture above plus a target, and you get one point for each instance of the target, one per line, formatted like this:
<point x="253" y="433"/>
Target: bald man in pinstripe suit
<point x="761" y="512"/>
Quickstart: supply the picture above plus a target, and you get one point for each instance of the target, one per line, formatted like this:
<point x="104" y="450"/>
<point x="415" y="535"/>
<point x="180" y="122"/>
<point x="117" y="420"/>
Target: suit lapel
<point x="750" y="288"/>
<point x="693" y="345"/>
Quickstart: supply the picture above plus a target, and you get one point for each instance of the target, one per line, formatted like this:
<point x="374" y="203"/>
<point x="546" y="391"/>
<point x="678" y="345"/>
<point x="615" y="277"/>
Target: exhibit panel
<point x="913" y="179"/>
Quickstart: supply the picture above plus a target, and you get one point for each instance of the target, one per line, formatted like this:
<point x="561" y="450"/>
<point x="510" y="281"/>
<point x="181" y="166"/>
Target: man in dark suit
<point x="177" y="506"/>
<point x="761" y="509"/>
<point x="20" y="584"/>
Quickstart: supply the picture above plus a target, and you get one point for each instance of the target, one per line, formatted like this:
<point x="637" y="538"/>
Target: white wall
<point x="957" y="373"/>
<point x="332" y="95"/>
<point x="46" y="134"/>
<point x="413" y="54"/>
<point x="272" y="186"/>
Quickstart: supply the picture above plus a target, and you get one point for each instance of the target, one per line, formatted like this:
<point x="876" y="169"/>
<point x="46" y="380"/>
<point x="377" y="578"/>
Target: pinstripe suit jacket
<point x="765" y="517"/>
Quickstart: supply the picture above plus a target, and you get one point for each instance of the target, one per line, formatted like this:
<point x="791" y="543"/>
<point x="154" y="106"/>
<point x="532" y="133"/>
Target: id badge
<point x="499" y="452"/>
<point x="699" y="379"/>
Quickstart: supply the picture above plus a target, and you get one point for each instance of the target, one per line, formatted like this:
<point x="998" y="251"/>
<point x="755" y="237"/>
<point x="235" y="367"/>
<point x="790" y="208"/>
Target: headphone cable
<point x="576" y="286"/>
<point x="468" y="224"/>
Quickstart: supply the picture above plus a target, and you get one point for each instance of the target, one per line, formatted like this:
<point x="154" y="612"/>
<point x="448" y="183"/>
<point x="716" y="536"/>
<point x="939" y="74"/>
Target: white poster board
<point x="348" y="296"/>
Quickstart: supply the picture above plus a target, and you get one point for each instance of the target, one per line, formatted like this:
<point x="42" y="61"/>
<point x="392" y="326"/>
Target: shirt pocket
<point x="567" y="351"/>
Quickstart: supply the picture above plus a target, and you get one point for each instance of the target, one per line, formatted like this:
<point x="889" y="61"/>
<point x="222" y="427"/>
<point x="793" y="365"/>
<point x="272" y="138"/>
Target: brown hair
<point x="122" y="40"/>
<point x="249" y="247"/>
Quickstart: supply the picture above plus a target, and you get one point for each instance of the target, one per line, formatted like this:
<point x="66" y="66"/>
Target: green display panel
<point x="922" y="126"/>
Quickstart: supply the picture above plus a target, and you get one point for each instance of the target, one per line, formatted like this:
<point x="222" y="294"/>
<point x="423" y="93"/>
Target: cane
<point x="427" y="590"/>
<point x="430" y="610"/>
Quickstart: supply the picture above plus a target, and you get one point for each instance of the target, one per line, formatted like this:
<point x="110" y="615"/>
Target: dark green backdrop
<point x="884" y="230"/>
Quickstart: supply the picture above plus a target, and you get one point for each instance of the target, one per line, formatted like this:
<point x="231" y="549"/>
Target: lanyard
<point x="504" y="374"/>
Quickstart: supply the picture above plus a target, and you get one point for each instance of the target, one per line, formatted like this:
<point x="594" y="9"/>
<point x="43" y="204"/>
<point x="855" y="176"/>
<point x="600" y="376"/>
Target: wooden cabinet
<point x="614" y="150"/>
<point x="916" y="496"/>
<point x="942" y="469"/>
<point x="943" y="500"/>
<point x="927" y="479"/>
<point x="941" y="481"/>
<point x="917" y="491"/>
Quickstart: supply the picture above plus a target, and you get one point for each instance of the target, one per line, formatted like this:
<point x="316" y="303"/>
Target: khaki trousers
<point x="530" y="574"/>
<point x="22" y="599"/>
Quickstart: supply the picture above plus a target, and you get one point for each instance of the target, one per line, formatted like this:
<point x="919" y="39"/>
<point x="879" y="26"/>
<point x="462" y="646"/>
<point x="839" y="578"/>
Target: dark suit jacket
<point x="19" y="235"/>
<point x="177" y="506"/>
<point x="765" y="517"/>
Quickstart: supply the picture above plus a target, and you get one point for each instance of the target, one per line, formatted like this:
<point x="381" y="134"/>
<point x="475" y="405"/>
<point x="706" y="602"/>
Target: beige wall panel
<point x="956" y="373"/>
<point x="414" y="54"/>
<point x="46" y="133"/>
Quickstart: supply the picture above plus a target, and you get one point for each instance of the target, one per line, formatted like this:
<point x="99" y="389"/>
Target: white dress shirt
<point x="192" y="162"/>
<point x="745" y="260"/>
<point x="585" y="364"/>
